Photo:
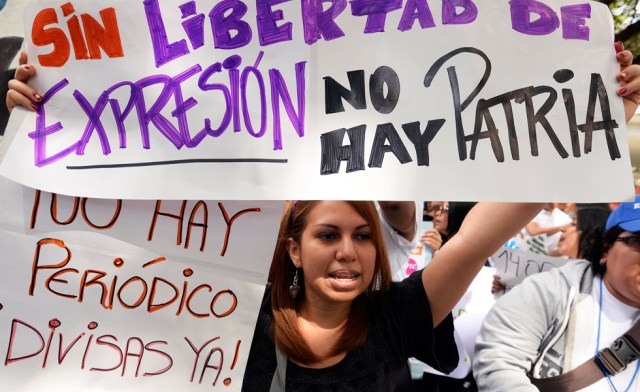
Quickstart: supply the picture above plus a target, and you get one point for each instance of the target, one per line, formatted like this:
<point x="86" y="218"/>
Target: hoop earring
<point x="294" y="289"/>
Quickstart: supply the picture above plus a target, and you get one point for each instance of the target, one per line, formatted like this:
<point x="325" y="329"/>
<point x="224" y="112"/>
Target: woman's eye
<point x="327" y="236"/>
<point x="363" y="236"/>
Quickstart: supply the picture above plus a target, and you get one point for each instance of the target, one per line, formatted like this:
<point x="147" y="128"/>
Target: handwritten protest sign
<point x="514" y="265"/>
<point x="298" y="100"/>
<point x="208" y="231"/>
<point x="79" y="306"/>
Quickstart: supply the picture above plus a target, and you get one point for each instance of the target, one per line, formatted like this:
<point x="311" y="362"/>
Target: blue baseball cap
<point x="627" y="216"/>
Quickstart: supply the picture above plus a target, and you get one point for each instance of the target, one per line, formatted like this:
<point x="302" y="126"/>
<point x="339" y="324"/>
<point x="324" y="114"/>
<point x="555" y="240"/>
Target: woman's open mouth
<point x="345" y="280"/>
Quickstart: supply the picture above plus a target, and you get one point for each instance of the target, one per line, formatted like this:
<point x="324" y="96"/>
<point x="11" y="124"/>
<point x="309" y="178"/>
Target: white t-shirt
<point x="553" y="218"/>
<point x="399" y="248"/>
<point x="617" y="318"/>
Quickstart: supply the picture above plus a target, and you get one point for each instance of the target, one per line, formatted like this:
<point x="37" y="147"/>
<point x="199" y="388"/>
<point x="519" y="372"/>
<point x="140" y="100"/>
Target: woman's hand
<point x="432" y="239"/>
<point x="496" y="285"/>
<point x="20" y="93"/>
<point x="629" y="80"/>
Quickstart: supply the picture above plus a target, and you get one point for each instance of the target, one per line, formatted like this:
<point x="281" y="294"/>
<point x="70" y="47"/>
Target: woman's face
<point x="622" y="275"/>
<point x="568" y="244"/>
<point x="336" y="253"/>
<point x="441" y="217"/>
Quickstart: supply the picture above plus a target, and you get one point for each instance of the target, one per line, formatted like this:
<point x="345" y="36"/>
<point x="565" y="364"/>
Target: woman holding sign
<point x="333" y="320"/>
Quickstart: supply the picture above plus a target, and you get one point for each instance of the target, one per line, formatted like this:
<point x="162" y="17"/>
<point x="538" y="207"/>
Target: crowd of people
<point x="341" y="312"/>
<point x="553" y="322"/>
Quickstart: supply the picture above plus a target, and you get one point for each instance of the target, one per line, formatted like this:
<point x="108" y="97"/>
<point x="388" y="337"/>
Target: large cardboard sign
<point x="323" y="100"/>
<point x="116" y="295"/>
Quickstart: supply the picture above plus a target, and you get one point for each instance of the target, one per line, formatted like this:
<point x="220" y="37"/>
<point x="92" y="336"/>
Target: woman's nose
<point x="346" y="250"/>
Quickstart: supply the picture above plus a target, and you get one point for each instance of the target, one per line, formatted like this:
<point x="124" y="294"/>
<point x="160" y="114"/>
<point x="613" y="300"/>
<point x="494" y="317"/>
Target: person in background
<point x="431" y="207"/>
<point x="400" y="224"/>
<point x="440" y="211"/>
<point x="448" y="217"/>
<point x="543" y="232"/>
<point x="567" y="208"/>
<point x="554" y="322"/>
<point x="579" y="239"/>
<point x="433" y="238"/>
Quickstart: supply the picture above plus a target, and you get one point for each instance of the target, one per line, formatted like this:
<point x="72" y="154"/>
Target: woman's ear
<point x="293" y="248"/>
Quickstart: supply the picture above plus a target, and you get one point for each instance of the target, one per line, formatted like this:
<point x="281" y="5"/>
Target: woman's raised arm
<point x="487" y="227"/>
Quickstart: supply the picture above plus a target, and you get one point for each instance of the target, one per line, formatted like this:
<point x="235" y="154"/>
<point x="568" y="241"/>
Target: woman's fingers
<point x="23" y="58"/>
<point x="24" y="72"/>
<point x="629" y="79"/>
<point x="21" y="94"/>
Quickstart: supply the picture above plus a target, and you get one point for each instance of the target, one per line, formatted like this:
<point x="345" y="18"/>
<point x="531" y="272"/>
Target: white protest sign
<point x="215" y="232"/>
<point x="238" y="100"/>
<point x="514" y="265"/>
<point x="82" y="308"/>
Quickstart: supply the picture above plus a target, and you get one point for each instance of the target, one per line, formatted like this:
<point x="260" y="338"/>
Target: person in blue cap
<point x="556" y="321"/>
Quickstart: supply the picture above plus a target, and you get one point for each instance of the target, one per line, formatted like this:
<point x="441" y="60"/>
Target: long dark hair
<point x="591" y="222"/>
